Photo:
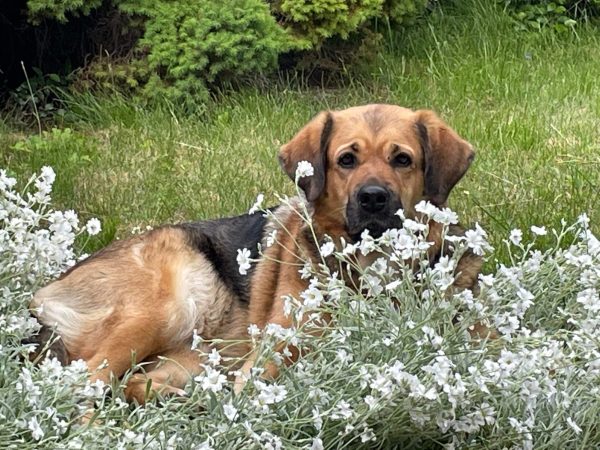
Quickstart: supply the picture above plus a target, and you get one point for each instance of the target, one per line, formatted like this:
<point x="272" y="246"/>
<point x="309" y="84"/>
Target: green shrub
<point x="560" y="15"/>
<point x="404" y="11"/>
<point x="313" y="22"/>
<point x="58" y="9"/>
<point x="181" y="48"/>
<point x="190" y="43"/>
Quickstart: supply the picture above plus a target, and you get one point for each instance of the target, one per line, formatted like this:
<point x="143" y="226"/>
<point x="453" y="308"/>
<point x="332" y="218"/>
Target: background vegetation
<point x="529" y="102"/>
<point x="179" y="121"/>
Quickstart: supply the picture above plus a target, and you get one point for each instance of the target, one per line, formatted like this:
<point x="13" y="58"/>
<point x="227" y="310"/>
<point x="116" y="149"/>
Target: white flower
<point x="214" y="358"/>
<point x="343" y="356"/>
<point x="206" y="445"/>
<point x="243" y="260"/>
<point x="257" y="205"/>
<point x="317" y="444"/>
<point x="71" y="217"/>
<point x="446" y="217"/>
<point x="583" y="220"/>
<point x="36" y="431"/>
<point x="48" y="175"/>
<point x="350" y="249"/>
<point x="343" y="410"/>
<point x="316" y="416"/>
<point x="373" y="283"/>
<point x="414" y="226"/>
<point x="133" y="437"/>
<point x="477" y="240"/>
<point x="312" y="297"/>
<point x="370" y="401"/>
<point x="393" y="285"/>
<point x="93" y="227"/>
<point x="539" y="231"/>
<point x="270" y="394"/>
<point x="253" y="330"/>
<point x="445" y="265"/>
<point x="93" y="390"/>
<point x="211" y="379"/>
<point x="304" y="169"/>
<point x="590" y="300"/>
<point x="196" y="340"/>
<point x="269" y="441"/>
<point x="573" y="425"/>
<point x="271" y="238"/>
<point x="525" y="301"/>
<point x="507" y="324"/>
<point x="516" y="236"/>
<point x="383" y="385"/>
<point x="367" y="243"/>
<point x="230" y="411"/>
<point x="327" y="248"/>
<point x="367" y="435"/>
<point x="426" y="208"/>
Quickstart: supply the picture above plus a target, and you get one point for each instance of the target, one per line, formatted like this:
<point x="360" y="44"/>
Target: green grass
<point x="529" y="103"/>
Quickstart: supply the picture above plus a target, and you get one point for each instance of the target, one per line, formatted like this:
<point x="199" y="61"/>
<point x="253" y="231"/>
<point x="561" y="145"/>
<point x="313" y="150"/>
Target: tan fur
<point x="146" y="296"/>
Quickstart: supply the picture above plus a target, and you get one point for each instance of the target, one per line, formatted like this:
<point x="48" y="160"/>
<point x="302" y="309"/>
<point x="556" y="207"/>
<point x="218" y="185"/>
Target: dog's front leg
<point x="274" y="309"/>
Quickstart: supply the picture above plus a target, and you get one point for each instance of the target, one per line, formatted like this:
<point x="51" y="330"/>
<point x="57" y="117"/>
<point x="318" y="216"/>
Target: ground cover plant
<point x="396" y="366"/>
<point x="529" y="103"/>
<point x="408" y="375"/>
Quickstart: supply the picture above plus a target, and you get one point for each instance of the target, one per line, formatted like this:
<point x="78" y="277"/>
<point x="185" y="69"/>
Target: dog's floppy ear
<point x="310" y="144"/>
<point x="447" y="156"/>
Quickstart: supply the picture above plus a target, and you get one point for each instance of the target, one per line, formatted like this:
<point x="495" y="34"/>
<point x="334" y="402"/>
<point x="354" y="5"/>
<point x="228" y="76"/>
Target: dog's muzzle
<point x="373" y="199"/>
<point x="372" y="208"/>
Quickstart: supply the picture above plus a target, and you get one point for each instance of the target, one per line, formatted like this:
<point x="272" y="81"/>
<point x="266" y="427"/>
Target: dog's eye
<point x="347" y="160"/>
<point x="402" y="160"/>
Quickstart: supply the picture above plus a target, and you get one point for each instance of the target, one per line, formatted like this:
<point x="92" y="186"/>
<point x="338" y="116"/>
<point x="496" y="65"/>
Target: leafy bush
<point x="560" y="15"/>
<point x="193" y="42"/>
<point x="186" y="45"/>
<point x="396" y="366"/>
<point x="312" y="22"/>
<point x="35" y="99"/>
<point x="60" y="9"/>
<point x="404" y="11"/>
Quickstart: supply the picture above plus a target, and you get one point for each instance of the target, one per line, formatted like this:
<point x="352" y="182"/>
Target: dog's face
<point x="370" y="161"/>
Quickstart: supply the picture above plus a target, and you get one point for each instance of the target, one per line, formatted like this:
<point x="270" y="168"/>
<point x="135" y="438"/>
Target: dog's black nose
<point x="373" y="198"/>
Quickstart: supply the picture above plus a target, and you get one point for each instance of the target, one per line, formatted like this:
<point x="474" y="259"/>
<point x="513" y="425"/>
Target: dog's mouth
<point x="376" y="227"/>
<point x="358" y="220"/>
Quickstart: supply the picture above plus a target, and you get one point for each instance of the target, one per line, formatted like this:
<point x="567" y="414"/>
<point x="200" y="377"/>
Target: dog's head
<point x="370" y="161"/>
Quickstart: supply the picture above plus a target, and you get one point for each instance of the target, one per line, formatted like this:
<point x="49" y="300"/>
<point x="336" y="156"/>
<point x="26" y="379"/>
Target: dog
<point x="147" y="295"/>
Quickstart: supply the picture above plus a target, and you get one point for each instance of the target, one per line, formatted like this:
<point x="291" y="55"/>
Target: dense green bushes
<point x="180" y="49"/>
<point x="188" y="45"/>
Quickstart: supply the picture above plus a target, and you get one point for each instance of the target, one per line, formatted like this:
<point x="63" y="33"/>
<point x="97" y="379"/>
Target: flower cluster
<point x="401" y="359"/>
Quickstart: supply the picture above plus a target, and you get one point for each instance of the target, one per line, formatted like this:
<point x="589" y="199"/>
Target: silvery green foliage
<point x="395" y="366"/>
<point x="36" y="244"/>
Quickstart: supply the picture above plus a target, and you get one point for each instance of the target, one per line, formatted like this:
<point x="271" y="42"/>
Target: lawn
<point x="408" y="376"/>
<point x="529" y="103"/>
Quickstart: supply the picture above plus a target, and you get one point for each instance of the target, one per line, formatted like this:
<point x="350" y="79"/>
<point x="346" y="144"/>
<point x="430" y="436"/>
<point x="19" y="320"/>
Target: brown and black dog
<point x="149" y="293"/>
